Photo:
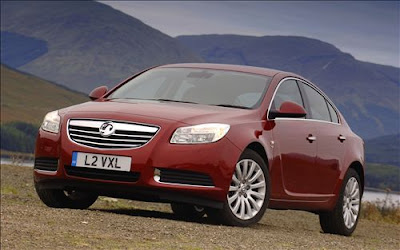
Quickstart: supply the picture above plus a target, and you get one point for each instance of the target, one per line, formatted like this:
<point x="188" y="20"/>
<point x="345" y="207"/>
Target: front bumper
<point x="216" y="160"/>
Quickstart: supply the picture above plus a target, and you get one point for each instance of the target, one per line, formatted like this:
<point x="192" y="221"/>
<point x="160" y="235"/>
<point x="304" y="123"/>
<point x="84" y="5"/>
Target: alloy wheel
<point x="351" y="202"/>
<point x="247" y="189"/>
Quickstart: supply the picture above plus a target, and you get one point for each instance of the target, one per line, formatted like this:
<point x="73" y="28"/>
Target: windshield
<point x="202" y="86"/>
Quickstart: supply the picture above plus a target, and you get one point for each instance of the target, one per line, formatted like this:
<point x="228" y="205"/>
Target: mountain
<point x="27" y="98"/>
<point x="18" y="50"/>
<point x="88" y="43"/>
<point x="367" y="94"/>
<point x="83" y="44"/>
<point x="383" y="149"/>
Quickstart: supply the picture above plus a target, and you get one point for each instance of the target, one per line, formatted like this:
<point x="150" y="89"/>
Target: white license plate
<point x="100" y="161"/>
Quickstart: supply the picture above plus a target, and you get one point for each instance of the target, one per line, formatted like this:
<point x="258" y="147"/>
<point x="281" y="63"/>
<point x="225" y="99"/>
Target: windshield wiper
<point x="169" y="100"/>
<point x="231" y="106"/>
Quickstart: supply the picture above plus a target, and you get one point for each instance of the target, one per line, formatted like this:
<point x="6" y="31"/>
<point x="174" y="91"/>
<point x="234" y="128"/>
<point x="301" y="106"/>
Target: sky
<point x="370" y="31"/>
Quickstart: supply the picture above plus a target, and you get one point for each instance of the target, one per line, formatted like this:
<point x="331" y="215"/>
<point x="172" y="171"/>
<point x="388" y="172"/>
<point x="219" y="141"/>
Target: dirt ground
<point x="121" y="224"/>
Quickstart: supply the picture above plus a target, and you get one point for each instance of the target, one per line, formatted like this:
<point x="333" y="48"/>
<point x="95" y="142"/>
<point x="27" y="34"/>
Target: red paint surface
<point x="304" y="175"/>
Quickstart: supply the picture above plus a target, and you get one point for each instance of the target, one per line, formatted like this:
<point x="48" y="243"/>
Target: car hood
<point x="158" y="110"/>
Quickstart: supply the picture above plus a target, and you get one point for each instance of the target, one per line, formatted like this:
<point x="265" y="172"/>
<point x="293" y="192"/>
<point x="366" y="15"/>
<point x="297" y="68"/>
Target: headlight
<point x="203" y="133"/>
<point x="51" y="122"/>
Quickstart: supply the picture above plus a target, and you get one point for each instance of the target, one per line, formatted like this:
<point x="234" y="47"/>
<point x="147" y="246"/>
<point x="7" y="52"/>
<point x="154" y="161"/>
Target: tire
<point x="344" y="217"/>
<point x="245" y="205"/>
<point x="57" y="198"/>
<point x="188" y="212"/>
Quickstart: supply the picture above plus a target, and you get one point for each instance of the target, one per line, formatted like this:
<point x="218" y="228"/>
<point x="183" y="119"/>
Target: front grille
<point x="111" y="175"/>
<point x="46" y="164"/>
<point x="124" y="135"/>
<point x="185" y="177"/>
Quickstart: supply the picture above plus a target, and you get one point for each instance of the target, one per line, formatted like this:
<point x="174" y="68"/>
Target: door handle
<point x="311" y="138"/>
<point x="342" y="138"/>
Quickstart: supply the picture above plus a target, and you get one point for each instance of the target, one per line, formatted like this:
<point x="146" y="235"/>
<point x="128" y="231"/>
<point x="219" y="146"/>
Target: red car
<point x="223" y="140"/>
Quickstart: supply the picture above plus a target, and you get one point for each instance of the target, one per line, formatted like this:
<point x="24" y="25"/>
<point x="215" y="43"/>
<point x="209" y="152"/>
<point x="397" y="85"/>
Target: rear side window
<point x="288" y="91"/>
<point x="319" y="108"/>
<point x="334" y="116"/>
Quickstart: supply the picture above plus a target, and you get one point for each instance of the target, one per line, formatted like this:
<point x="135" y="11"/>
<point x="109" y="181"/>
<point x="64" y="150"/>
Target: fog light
<point x="157" y="175"/>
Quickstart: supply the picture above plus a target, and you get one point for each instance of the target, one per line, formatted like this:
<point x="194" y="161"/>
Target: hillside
<point x="89" y="43"/>
<point x="18" y="50"/>
<point x="367" y="94"/>
<point x="28" y="98"/>
<point x="384" y="149"/>
<point x="382" y="176"/>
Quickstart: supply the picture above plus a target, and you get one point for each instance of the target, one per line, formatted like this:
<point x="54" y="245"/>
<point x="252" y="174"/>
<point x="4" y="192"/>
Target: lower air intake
<point x="46" y="164"/>
<point x="185" y="177"/>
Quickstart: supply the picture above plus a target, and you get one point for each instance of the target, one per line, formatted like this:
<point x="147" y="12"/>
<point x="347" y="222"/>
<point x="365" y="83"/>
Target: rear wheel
<point x="188" y="212"/>
<point x="248" y="194"/>
<point x="344" y="218"/>
<point x="58" y="198"/>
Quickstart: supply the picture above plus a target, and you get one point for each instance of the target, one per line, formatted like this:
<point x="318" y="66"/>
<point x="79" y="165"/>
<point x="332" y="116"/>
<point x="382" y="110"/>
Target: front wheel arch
<point x="226" y="215"/>
<point x="260" y="150"/>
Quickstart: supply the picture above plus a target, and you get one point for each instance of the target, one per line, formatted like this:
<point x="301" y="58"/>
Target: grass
<point x="28" y="98"/>
<point x="9" y="190"/>
<point x="386" y="210"/>
<point x="374" y="212"/>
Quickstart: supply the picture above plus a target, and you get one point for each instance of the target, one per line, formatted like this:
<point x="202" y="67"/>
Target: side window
<point x="333" y="113"/>
<point x="319" y="108"/>
<point x="288" y="91"/>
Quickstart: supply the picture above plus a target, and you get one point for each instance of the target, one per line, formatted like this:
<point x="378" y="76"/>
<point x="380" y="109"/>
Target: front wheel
<point x="248" y="194"/>
<point x="58" y="198"/>
<point x="343" y="219"/>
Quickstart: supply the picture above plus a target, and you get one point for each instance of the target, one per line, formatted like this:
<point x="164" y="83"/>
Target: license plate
<point x="100" y="161"/>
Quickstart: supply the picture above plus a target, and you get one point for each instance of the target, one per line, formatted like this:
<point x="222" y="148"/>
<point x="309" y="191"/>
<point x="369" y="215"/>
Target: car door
<point x="330" y="140"/>
<point x="293" y="143"/>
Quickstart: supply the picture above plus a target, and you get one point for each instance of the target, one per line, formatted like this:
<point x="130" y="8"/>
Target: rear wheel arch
<point x="358" y="167"/>
<point x="344" y="217"/>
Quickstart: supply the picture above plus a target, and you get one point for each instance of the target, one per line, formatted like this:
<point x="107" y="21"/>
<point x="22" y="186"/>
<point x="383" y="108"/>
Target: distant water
<point x="373" y="196"/>
<point x="6" y="161"/>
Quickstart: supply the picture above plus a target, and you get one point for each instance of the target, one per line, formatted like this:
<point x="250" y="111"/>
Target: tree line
<point x="18" y="136"/>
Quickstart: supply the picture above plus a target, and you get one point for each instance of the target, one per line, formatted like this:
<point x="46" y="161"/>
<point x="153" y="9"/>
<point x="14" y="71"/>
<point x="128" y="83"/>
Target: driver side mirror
<point x="288" y="110"/>
<point x="98" y="92"/>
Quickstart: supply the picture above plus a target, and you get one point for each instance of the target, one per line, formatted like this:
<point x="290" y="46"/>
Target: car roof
<point x="238" y="68"/>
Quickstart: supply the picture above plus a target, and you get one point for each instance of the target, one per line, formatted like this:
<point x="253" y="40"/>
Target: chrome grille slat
<point x="118" y="126"/>
<point x="115" y="134"/>
<point x="83" y="131"/>
<point x="126" y="135"/>
<point x="138" y="136"/>
<point x="108" y="144"/>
